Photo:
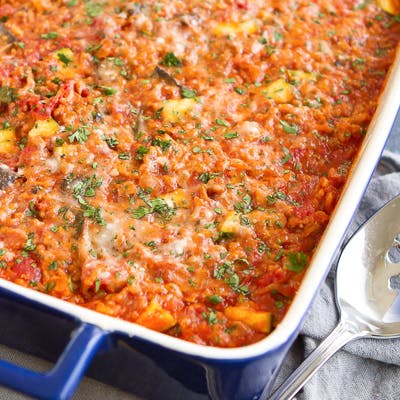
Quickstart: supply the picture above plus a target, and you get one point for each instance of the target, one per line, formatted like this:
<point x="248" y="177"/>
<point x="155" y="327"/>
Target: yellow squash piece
<point x="231" y="224"/>
<point x="65" y="58"/>
<point x="280" y="91"/>
<point x="156" y="318"/>
<point x="178" y="198"/>
<point x="177" y="110"/>
<point x="235" y="28"/>
<point x="44" y="128"/>
<point x="66" y="150"/>
<point x="258" y="320"/>
<point x="390" y="6"/>
<point x="300" y="76"/>
<point x="7" y="140"/>
<point x="39" y="5"/>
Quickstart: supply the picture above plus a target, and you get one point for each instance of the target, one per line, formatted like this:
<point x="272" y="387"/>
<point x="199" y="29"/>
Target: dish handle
<point x="60" y="382"/>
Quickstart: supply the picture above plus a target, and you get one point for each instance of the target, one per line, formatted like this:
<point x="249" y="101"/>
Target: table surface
<point x="92" y="389"/>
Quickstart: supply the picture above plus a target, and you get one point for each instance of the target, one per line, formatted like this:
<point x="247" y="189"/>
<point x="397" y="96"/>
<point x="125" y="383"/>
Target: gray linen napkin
<point x="365" y="369"/>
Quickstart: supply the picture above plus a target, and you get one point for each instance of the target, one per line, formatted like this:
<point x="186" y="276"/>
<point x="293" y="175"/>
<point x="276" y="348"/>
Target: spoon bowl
<point x="367" y="293"/>
<point x="368" y="274"/>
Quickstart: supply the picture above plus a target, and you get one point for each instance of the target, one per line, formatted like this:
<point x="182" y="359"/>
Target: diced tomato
<point x="304" y="210"/>
<point x="6" y="10"/>
<point x="11" y="160"/>
<point x="43" y="108"/>
<point x="278" y="275"/>
<point x="34" y="104"/>
<point x="28" y="269"/>
<point x="243" y="4"/>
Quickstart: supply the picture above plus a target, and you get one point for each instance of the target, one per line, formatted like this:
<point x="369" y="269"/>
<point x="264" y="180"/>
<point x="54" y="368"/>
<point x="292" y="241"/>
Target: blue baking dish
<point x="234" y="374"/>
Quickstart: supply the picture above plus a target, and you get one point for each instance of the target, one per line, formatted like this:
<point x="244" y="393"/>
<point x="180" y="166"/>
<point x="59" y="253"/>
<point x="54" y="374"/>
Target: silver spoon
<point x="367" y="293"/>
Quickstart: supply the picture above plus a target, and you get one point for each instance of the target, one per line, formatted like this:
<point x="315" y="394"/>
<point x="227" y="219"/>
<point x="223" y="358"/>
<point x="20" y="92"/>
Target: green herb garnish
<point x="205" y="177"/>
<point x="296" y="261"/>
<point x="81" y="135"/>
<point x="188" y="93"/>
<point x="49" y="35"/>
<point x="293" y="129"/>
<point x="171" y="60"/>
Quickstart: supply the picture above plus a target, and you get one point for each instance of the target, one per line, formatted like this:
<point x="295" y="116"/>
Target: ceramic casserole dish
<point x="228" y="371"/>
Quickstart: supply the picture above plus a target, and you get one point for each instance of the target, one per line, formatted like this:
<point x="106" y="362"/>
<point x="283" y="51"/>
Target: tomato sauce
<point x="175" y="163"/>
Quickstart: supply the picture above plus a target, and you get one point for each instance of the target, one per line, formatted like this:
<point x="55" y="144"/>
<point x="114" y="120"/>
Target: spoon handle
<point x="341" y="335"/>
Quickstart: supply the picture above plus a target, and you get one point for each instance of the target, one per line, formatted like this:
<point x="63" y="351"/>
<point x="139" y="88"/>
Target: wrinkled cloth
<point x="365" y="369"/>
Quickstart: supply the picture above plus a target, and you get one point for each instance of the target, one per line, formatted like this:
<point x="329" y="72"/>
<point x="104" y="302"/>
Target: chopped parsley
<point x="50" y="286"/>
<point x="244" y="206"/>
<point x="29" y="244"/>
<point x="70" y="284"/>
<point x="293" y="129"/>
<point x="278" y="36"/>
<point x="362" y="5"/>
<point x="93" y="213"/>
<point x="81" y="135"/>
<point x="223" y="236"/>
<point x="154" y="206"/>
<point x="262" y="248"/>
<point x="230" y="80"/>
<point x="215" y="299"/>
<point x="118" y="62"/>
<point x="108" y="91"/>
<point x="22" y="142"/>
<point x="171" y="60"/>
<point x="32" y="211"/>
<point x="296" y="261"/>
<point x="49" y="35"/>
<point x="245" y="221"/>
<point x="221" y="122"/>
<point x="152" y="244"/>
<point x="279" y="304"/>
<point x="124" y="156"/>
<point x="53" y="266"/>
<point x="188" y="93"/>
<point x="111" y="141"/>
<point x="59" y="142"/>
<point x="210" y="317"/>
<point x="7" y="95"/>
<point x="226" y="271"/>
<point x="87" y="188"/>
<point x="205" y="177"/>
<point x="286" y="156"/>
<point x="231" y="135"/>
<point x="239" y="90"/>
<point x="93" y="9"/>
<point x="164" y="145"/>
<point x="64" y="58"/>
<point x="93" y="48"/>
<point x="278" y="195"/>
<point x="140" y="152"/>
